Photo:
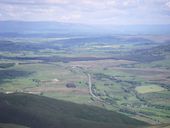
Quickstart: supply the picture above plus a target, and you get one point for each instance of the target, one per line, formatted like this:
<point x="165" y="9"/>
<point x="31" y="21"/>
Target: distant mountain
<point x="20" y="28"/>
<point x="42" y="112"/>
<point x="53" y="29"/>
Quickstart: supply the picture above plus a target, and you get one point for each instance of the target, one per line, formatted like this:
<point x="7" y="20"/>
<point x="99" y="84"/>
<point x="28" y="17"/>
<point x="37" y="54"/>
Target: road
<point x="90" y="88"/>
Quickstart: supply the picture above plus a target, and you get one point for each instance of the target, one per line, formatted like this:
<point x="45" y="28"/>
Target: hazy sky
<point x="88" y="11"/>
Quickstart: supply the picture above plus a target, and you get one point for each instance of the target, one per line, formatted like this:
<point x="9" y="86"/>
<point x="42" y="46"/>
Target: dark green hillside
<point x="41" y="112"/>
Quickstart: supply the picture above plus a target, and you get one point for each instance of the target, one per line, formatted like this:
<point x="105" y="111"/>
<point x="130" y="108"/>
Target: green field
<point x="149" y="89"/>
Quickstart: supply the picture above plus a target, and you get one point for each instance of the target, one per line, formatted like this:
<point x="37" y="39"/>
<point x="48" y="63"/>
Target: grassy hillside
<point x="6" y="125"/>
<point x="41" y="112"/>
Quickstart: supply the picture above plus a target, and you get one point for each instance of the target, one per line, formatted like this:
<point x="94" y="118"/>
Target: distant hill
<point x="42" y="112"/>
<point x="54" y="29"/>
<point x="42" y="29"/>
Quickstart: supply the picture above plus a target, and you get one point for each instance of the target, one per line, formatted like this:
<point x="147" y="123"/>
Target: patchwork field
<point x="128" y="74"/>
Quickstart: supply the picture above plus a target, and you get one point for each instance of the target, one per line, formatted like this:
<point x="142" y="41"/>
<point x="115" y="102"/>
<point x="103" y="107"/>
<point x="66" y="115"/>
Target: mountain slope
<point x="41" y="112"/>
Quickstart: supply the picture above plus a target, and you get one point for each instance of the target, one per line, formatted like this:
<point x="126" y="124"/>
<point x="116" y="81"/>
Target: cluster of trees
<point x="70" y="85"/>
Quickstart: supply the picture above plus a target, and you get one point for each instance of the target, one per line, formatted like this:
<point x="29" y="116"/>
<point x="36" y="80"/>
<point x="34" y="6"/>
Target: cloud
<point x="168" y="4"/>
<point x="88" y="11"/>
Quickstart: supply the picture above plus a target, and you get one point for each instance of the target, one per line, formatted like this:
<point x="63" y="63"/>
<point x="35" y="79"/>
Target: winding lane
<point x="90" y="88"/>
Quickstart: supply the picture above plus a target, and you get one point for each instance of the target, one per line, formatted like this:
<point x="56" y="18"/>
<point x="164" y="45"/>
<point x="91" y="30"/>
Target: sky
<point x="116" y="12"/>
